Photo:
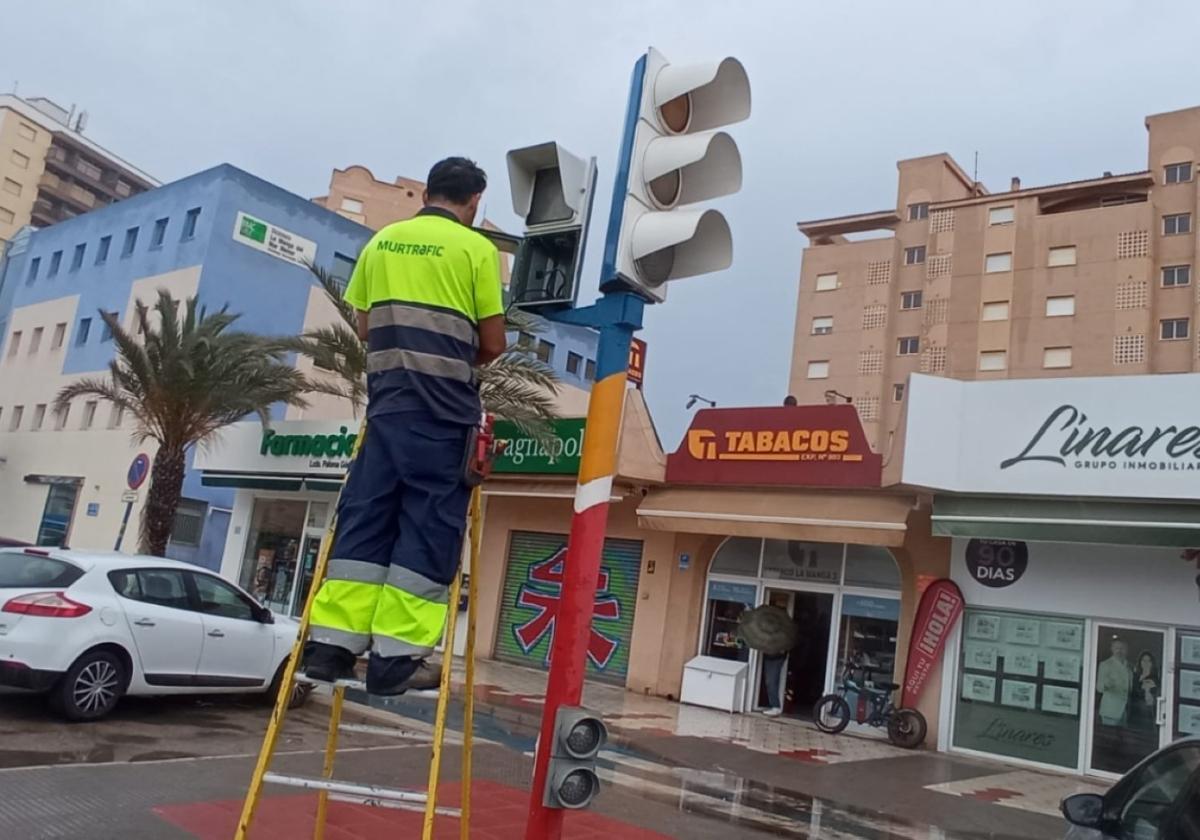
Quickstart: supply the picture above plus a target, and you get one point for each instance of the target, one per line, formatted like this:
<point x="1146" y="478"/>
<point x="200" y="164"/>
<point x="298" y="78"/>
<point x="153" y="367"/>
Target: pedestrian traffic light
<point x="578" y="737"/>
<point x="552" y="192"/>
<point x="673" y="155"/>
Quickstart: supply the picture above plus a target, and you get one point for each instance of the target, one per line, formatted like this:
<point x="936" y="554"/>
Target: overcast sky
<point x="1050" y="91"/>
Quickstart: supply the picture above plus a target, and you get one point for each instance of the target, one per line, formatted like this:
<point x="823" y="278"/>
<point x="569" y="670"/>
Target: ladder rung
<point x="387" y="803"/>
<point x="366" y="729"/>
<point x="371" y="793"/>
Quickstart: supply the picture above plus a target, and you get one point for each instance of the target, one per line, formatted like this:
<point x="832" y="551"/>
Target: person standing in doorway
<point x="427" y="292"/>
<point x="1114" y="681"/>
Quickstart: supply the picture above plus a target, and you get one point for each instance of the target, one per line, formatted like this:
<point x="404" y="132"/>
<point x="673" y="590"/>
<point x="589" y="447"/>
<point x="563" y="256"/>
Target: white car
<point x="88" y="627"/>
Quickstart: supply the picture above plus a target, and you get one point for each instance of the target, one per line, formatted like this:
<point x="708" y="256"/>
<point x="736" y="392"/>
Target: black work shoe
<point x="390" y="677"/>
<point x="328" y="663"/>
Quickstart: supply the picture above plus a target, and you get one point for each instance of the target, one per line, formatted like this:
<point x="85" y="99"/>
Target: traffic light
<point x="571" y="781"/>
<point x="552" y="192"/>
<point x="673" y="155"/>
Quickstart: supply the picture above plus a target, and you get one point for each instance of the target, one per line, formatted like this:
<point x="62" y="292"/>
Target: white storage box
<point x="716" y="683"/>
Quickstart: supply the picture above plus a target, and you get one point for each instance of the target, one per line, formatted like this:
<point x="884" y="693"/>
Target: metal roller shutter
<point x="532" y="585"/>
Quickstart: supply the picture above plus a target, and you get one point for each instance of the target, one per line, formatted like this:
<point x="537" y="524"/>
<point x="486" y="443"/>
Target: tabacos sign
<point x="814" y="445"/>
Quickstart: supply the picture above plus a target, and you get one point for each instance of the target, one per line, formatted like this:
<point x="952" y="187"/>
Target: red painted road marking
<point x="815" y="755"/>
<point x="993" y="794"/>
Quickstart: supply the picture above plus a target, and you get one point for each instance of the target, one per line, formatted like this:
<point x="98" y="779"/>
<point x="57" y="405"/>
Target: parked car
<point x="88" y="627"/>
<point x="1159" y="799"/>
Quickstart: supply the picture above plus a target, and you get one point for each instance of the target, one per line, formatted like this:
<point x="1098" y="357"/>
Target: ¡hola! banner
<point x="941" y="606"/>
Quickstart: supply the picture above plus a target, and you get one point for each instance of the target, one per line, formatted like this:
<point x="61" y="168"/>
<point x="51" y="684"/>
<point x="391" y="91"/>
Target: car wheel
<point x="300" y="691"/>
<point x="91" y="687"/>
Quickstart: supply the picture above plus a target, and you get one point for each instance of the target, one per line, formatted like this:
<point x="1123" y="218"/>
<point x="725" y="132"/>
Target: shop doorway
<point x="1129" y="704"/>
<point x="804" y="669"/>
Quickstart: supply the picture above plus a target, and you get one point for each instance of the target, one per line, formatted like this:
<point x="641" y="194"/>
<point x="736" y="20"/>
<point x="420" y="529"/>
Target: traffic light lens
<point x="665" y="189"/>
<point x="584" y="738"/>
<point x="655" y="269"/>
<point x="577" y="788"/>
<point x="676" y="114"/>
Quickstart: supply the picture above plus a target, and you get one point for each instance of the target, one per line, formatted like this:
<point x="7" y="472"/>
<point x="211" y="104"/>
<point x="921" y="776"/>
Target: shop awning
<point x="267" y="481"/>
<point x="1068" y="520"/>
<point x="811" y="515"/>
<point x="534" y="489"/>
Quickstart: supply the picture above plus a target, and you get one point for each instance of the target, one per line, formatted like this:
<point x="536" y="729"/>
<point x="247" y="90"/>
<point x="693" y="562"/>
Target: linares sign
<point x="1123" y="436"/>
<point x="279" y="243"/>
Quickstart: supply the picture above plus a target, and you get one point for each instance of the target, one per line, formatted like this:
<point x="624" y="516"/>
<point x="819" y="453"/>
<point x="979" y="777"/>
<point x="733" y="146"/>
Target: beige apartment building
<point x="1091" y="277"/>
<point x="49" y="171"/>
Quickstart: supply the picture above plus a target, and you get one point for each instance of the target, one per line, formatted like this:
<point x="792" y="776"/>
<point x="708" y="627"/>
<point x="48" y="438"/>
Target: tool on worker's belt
<point x="483" y="449"/>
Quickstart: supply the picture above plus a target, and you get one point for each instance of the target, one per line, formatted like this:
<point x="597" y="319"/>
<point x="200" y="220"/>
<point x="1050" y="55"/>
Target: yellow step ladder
<point x="369" y="794"/>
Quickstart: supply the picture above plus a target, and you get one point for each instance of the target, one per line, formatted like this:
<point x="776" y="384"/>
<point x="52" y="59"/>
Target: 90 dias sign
<point x="997" y="563"/>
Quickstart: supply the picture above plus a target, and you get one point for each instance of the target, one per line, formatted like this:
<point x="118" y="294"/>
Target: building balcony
<point x="75" y="196"/>
<point x="833" y="231"/>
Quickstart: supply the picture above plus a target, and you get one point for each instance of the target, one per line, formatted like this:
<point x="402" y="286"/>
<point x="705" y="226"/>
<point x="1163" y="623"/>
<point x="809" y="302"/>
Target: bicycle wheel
<point x="831" y="713"/>
<point x="907" y="728"/>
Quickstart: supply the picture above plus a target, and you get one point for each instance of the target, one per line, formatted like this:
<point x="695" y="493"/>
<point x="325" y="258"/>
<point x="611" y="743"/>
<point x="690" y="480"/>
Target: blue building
<point x="223" y="235"/>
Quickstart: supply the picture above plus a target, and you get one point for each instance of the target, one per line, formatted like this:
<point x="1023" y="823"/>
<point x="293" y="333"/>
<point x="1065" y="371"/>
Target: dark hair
<point x="789" y="400"/>
<point x="1153" y="662"/>
<point x="455" y="179"/>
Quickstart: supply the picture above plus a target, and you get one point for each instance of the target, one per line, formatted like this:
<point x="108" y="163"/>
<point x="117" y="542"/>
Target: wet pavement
<point x="177" y="767"/>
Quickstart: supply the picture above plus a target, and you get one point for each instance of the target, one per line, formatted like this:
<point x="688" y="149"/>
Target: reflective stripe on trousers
<point x="394" y="611"/>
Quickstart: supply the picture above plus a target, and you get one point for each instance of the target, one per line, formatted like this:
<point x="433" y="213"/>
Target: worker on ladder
<point x="428" y="295"/>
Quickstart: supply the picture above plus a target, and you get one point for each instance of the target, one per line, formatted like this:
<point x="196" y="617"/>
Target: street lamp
<point x="832" y="396"/>
<point x="695" y="398"/>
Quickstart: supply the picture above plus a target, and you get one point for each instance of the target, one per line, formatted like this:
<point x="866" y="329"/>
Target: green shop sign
<point x="525" y="454"/>
<point x="332" y="446"/>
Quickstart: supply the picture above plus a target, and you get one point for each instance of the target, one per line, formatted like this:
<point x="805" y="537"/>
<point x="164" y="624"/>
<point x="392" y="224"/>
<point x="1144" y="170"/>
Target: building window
<point x="60" y="335"/>
<point x="39" y="417"/>
<point x="189" y="522"/>
<point x="14" y="344"/>
<point x="14" y="422"/>
<point x="574" y="360"/>
<point x="352" y="205"/>
<point x="827" y="282"/>
<point x="909" y="345"/>
<point x="34" y="265"/>
<point x="12" y="187"/>
<point x="1176" y="275"/>
<point x="1001" y="215"/>
<point x="19" y="160"/>
<point x="26" y="131"/>
<point x="996" y="310"/>
<point x="1064" y="255"/>
<point x="102" y="250"/>
<point x="525" y="341"/>
<point x="1177" y="223"/>
<point x="914" y="255"/>
<point x="107" y="335"/>
<point x="1173" y="329"/>
<point x="996" y="263"/>
<point x="7" y="217"/>
<point x="159" y="234"/>
<point x="590" y="371"/>
<point x="917" y="212"/>
<point x="116" y="417"/>
<point x="60" y="417"/>
<point x="35" y="340"/>
<point x="55" y="263"/>
<point x="993" y="360"/>
<point x="342" y="269"/>
<point x="822" y="325"/>
<point x="189" y="224"/>
<point x="1177" y="173"/>
<point x="1060" y="306"/>
<point x="81" y="334"/>
<point x="910" y="300"/>
<point x="131" y="236"/>
<point x="545" y="351"/>
<point x="89" y="414"/>
<point x="898" y="392"/>
<point x="77" y="257"/>
<point x="1056" y="357"/>
<point x="818" y="370"/>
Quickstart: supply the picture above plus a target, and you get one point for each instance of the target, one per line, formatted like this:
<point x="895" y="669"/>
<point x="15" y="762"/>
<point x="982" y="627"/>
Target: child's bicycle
<point x="905" y="727"/>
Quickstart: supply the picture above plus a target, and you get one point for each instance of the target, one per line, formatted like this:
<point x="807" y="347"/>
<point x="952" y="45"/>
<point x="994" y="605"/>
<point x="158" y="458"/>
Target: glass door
<point x="1128" y="706"/>
<point x="56" y="516"/>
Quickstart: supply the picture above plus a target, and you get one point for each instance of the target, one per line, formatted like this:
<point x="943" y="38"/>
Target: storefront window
<point x="726" y="603"/>
<point x="1019" y="691"/>
<point x="803" y="561"/>
<point x="868" y="634"/>
<point x="1187" y="685"/>
<point x="1128" y="680"/>
<point x="737" y="556"/>
<point x="269" y="568"/>
<point x="872" y="567"/>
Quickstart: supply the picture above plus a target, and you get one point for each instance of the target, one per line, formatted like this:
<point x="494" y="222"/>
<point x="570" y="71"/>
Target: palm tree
<point x="517" y="386"/>
<point x="183" y="379"/>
